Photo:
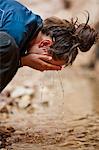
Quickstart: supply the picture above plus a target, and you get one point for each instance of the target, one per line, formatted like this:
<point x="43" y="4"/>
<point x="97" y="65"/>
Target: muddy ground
<point x="52" y="110"/>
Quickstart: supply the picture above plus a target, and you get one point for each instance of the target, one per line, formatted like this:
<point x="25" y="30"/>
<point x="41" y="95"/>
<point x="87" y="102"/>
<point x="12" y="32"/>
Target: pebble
<point x="20" y="91"/>
<point x="24" y="101"/>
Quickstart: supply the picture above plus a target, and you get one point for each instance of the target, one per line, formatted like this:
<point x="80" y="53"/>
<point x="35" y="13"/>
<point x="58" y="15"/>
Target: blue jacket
<point x="19" y="22"/>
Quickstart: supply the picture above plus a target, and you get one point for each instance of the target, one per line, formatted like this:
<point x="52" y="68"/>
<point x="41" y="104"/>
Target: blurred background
<point x="56" y="110"/>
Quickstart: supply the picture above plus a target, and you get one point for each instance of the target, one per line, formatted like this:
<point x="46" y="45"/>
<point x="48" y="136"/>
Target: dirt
<point x="51" y="110"/>
<point x="82" y="133"/>
<point x="56" y="118"/>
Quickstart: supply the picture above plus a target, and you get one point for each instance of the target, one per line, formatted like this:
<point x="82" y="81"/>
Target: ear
<point x="45" y="43"/>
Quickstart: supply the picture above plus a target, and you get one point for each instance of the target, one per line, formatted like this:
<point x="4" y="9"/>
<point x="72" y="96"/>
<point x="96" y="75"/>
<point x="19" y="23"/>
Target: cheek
<point x="36" y="50"/>
<point x="33" y="49"/>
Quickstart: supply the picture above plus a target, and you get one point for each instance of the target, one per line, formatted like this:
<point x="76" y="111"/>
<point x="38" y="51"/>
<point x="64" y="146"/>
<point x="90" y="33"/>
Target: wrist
<point x="25" y="60"/>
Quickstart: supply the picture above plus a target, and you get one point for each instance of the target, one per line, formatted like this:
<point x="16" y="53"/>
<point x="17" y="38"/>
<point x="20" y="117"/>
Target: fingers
<point x="45" y="58"/>
<point x="48" y="66"/>
<point x="52" y="61"/>
<point x="39" y="62"/>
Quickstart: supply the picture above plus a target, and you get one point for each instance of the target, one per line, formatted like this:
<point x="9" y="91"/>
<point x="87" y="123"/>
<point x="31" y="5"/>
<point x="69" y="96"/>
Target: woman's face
<point x="42" y="46"/>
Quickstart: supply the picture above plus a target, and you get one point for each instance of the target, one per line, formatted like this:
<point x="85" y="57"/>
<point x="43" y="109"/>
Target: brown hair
<point x="68" y="37"/>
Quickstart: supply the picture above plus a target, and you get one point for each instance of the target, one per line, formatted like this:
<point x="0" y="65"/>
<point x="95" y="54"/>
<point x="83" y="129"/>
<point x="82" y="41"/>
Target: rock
<point x="5" y="132"/>
<point x="45" y="103"/>
<point x="80" y="132"/>
<point x="4" y="102"/>
<point x="30" y="109"/>
<point x="24" y="101"/>
<point x="4" y="110"/>
<point x="20" y="91"/>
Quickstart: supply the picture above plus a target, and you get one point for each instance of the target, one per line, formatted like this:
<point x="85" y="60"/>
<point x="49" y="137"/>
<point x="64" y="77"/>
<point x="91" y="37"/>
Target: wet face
<point x="41" y="46"/>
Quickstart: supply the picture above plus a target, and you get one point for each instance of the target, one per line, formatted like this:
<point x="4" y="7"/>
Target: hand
<point x="44" y="51"/>
<point x="35" y="49"/>
<point x="39" y="62"/>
